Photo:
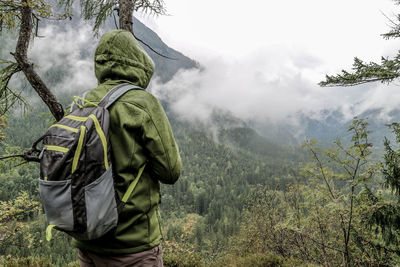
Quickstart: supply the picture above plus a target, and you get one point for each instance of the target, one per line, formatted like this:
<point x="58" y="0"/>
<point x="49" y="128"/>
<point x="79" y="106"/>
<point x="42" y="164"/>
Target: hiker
<point x="139" y="134"/>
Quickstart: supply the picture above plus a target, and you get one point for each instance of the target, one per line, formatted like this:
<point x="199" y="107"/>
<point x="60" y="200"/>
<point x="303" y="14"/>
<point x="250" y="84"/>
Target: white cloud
<point x="260" y="64"/>
<point x="263" y="59"/>
<point x="69" y="50"/>
<point x="334" y="30"/>
<point x="274" y="84"/>
<point x="267" y="85"/>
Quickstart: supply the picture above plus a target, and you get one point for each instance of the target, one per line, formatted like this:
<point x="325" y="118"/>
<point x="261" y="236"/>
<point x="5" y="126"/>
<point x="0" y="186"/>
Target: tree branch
<point x="125" y="15"/>
<point x="21" y="57"/>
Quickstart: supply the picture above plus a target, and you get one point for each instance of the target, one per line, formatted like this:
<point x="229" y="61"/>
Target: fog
<point x="270" y="85"/>
<point x="275" y="83"/>
<point x="68" y="49"/>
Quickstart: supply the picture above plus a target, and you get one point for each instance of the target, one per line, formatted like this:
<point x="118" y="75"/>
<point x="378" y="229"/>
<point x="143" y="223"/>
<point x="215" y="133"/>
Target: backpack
<point x="76" y="181"/>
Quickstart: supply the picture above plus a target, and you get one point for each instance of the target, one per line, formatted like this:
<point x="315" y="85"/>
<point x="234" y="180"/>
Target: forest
<point x="242" y="199"/>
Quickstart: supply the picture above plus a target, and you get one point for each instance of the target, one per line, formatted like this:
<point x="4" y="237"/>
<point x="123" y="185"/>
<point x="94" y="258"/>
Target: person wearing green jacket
<point x="139" y="134"/>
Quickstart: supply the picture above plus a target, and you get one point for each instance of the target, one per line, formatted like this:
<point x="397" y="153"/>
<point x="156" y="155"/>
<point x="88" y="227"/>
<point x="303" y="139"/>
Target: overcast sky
<point x="332" y="31"/>
<point x="264" y="58"/>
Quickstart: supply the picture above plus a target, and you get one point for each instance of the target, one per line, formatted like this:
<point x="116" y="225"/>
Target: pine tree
<point x="384" y="211"/>
<point x="362" y="72"/>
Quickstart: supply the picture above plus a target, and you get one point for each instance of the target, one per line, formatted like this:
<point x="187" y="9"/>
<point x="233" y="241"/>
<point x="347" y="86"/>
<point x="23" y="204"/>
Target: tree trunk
<point x="21" y="57"/>
<point x="125" y="15"/>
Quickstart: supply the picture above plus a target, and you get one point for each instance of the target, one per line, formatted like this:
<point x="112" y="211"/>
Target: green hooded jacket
<point x="139" y="133"/>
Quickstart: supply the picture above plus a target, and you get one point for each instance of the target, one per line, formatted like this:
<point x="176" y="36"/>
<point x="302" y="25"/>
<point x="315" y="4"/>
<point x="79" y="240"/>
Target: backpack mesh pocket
<point x="57" y="203"/>
<point x="101" y="207"/>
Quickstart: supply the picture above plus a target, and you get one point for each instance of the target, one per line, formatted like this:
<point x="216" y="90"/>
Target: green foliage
<point x="14" y="180"/>
<point x="395" y="26"/>
<point x="25" y="262"/>
<point x="26" y="242"/>
<point x="257" y="260"/>
<point x="14" y="232"/>
<point x="22" y="131"/>
<point x="342" y="190"/>
<point x="391" y="168"/>
<point x="2" y="126"/>
<point x="8" y="96"/>
<point x="385" y="212"/>
<point x="248" y="139"/>
<point x="216" y="179"/>
<point x="22" y="225"/>
<point x="33" y="261"/>
<point x="12" y="16"/>
<point x="182" y="260"/>
<point x="99" y="10"/>
<point x="211" y="217"/>
<point x="200" y="212"/>
<point x="321" y="219"/>
<point x="22" y="208"/>
<point x="386" y="72"/>
<point x="10" y="11"/>
<point x="196" y="217"/>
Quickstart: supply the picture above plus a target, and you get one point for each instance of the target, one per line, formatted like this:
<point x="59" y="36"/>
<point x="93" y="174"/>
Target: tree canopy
<point x="23" y="16"/>
<point x="384" y="210"/>
<point x="385" y="71"/>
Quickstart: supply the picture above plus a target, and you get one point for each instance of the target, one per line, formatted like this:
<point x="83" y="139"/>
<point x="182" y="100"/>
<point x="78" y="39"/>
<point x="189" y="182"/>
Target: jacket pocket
<point x="57" y="203"/>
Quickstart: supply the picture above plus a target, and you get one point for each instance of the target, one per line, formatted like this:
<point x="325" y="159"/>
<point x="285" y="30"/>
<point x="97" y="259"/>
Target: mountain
<point x="228" y="129"/>
<point x="165" y="67"/>
<point x="223" y="159"/>
<point x="334" y="124"/>
<point x="326" y="127"/>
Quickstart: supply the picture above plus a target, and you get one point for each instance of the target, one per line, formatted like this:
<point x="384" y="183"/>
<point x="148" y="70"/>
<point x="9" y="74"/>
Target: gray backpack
<point x="76" y="180"/>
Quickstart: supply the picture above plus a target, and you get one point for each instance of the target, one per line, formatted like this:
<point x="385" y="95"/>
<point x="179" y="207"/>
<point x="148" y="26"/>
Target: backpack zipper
<point x="65" y="127"/>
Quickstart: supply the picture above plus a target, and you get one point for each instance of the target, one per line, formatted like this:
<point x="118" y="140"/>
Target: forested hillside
<point x="220" y="169"/>
<point x="216" y="180"/>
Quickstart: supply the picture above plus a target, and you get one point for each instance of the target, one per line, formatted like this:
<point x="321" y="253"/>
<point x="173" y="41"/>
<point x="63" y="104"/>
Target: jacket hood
<point x="120" y="57"/>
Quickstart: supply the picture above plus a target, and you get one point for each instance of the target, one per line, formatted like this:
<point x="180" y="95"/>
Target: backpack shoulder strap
<point x="116" y="93"/>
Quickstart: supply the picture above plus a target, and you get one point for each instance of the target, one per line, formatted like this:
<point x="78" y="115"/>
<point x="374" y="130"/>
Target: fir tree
<point x="364" y="72"/>
<point x="384" y="210"/>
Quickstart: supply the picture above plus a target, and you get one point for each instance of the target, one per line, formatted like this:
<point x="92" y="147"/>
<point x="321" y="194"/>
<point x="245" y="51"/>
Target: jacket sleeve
<point x="164" y="160"/>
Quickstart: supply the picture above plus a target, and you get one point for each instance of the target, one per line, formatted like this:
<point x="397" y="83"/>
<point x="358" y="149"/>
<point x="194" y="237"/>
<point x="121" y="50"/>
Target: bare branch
<point x="21" y="57"/>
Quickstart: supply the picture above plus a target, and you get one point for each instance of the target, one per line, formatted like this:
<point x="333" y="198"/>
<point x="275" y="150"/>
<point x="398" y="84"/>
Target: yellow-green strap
<point x="99" y="131"/>
<point x="76" y="118"/>
<point x="49" y="235"/>
<point x="84" y="100"/>
<point x="102" y="138"/>
<point x="56" y="148"/>
<point x="133" y="185"/>
<point x="76" y="103"/>
<point x="78" y="149"/>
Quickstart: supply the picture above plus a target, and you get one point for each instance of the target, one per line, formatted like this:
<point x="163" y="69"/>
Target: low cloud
<point x="271" y="89"/>
<point x="66" y="52"/>
<point x="271" y="85"/>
